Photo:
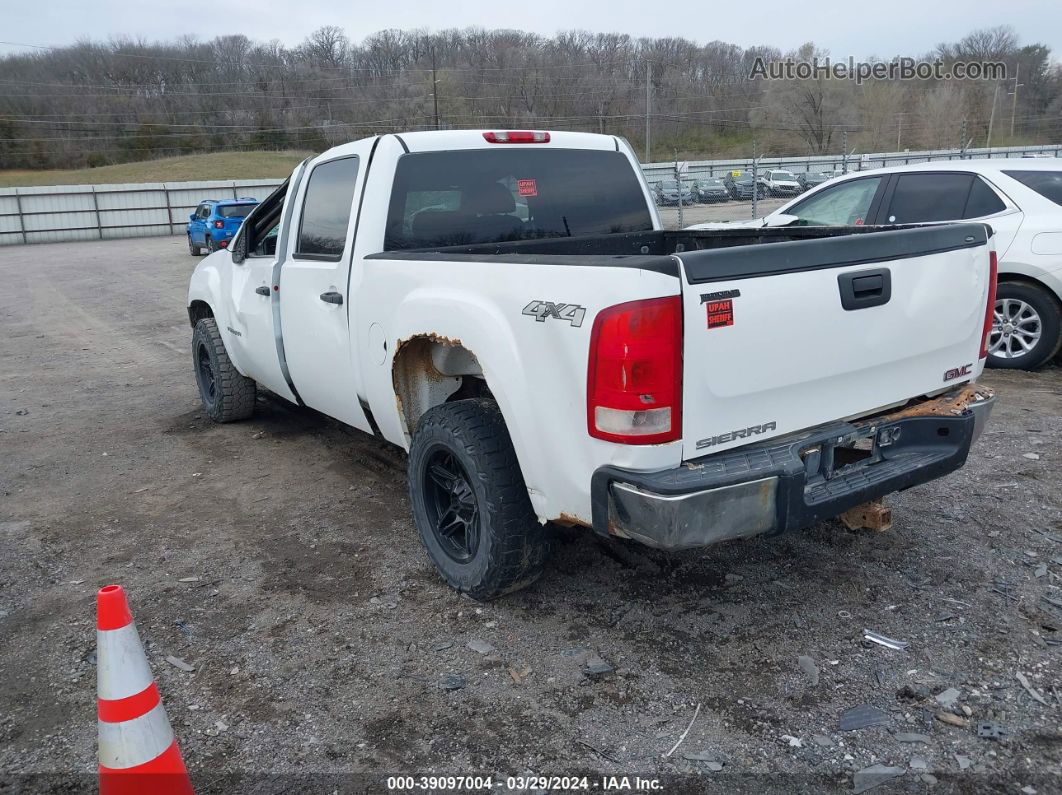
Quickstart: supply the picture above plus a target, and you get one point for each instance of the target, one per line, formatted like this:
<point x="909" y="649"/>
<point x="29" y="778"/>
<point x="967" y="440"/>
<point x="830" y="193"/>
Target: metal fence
<point x="656" y="172"/>
<point x="98" y="212"/>
<point x="90" y="212"/>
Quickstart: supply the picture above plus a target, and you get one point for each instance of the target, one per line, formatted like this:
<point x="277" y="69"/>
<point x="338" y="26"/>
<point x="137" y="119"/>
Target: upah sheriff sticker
<point x="720" y="313"/>
<point x="720" y="307"/>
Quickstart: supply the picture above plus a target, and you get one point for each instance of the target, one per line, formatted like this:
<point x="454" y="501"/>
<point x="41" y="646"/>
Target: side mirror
<point x="238" y="249"/>
<point x="780" y="219"/>
<point x="192" y="217"/>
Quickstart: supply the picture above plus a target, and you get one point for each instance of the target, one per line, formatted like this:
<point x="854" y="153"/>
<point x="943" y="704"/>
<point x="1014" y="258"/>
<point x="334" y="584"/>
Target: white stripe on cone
<point x="135" y="742"/>
<point x="122" y="667"/>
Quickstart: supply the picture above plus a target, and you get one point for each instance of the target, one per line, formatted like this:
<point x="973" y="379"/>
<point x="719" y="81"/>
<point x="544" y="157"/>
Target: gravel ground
<point x="277" y="557"/>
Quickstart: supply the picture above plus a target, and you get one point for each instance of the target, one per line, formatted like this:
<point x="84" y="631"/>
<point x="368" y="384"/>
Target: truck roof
<point x="443" y="140"/>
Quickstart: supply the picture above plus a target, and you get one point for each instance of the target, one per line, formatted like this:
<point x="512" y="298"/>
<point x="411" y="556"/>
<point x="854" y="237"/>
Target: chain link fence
<point x="726" y="190"/>
<point x="686" y="193"/>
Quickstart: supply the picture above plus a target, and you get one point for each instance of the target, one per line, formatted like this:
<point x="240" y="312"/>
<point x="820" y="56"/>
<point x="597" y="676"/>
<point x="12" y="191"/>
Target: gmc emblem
<point x="958" y="372"/>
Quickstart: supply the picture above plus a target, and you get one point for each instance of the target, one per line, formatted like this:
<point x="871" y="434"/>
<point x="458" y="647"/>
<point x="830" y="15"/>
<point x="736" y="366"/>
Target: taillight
<point x="219" y="224"/>
<point x="516" y="137"/>
<point x="634" y="376"/>
<point x="990" y="307"/>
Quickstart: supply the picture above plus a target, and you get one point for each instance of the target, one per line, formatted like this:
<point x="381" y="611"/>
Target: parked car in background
<point x="812" y="179"/>
<point x="1020" y="199"/>
<point x="779" y="182"/>
<point x="670" y="191"/>
<point x="743" y="186"/>
<point x="214" y="223"/>
<point x="710" y="190"/>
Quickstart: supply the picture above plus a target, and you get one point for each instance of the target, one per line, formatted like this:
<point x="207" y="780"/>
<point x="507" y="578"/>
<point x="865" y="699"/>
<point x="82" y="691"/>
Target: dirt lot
<point x="323" y="643"/>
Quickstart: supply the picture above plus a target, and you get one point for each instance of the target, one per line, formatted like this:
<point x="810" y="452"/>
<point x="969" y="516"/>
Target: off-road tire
<point x="512" y="545"/>
<point x="1047" y="308"/>
<point x="232" y="396"/>
<point x="193" y="249"/>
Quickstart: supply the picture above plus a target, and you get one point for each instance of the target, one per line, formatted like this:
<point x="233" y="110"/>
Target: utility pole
<point x="648" y="106"/>
<point x="434" y="87"/>
<point x="678" y="182"/>
<point x="755" y="178"/>
<point x="844" y="148"/>
<point x="1014" y="102"/>
<point x="899" y="129"/>
<point x="962" y="140"/>
<point x="992" y="117"/>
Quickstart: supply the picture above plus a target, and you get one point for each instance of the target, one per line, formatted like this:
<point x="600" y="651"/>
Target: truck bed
<point x="656" y="243"/>
<point x="804" y="325"/>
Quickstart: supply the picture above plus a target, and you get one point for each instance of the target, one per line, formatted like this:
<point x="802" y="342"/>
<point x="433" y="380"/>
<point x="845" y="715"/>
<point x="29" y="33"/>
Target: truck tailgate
<point x="770" y="347"/>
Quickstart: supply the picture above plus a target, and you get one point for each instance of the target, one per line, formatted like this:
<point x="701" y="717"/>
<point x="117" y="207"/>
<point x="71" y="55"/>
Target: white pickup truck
<point x="506" y="307"/>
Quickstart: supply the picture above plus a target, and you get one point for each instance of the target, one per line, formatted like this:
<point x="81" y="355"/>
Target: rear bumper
<point x="790" y="483"/>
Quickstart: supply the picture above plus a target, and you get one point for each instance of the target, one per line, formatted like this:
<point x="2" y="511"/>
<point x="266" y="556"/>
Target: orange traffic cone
<point x="138" y="752"/>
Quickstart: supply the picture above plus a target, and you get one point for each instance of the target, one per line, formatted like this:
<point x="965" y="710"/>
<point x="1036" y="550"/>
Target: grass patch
<point x="215" y="165"/>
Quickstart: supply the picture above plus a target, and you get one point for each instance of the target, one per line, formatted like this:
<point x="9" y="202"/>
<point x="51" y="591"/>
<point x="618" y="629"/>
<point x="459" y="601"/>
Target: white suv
<point x="779" y="182"/>
<point x="1020" y="199"/>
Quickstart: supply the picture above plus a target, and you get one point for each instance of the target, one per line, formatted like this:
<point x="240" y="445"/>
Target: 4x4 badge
<point x="540" y="310"/>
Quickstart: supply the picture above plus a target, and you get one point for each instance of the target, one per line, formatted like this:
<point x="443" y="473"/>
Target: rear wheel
<point x="211" y="245"/>
<point x="226" y="394"/>
<point x="470" y="502"/>
<point x="1026" y="327"/>
<point x="193" y="249"/>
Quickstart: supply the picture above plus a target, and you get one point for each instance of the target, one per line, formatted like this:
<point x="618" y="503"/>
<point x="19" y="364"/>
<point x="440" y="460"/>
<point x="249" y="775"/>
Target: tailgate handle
<point x="864" y="289"/>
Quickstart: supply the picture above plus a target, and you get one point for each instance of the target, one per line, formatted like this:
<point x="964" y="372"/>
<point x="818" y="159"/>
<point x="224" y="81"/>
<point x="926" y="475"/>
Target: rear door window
<point x="923" y="198"/>
<point x="234" y="210"/>
<point x="326" y="210"/>
<point x="486" y="196"/>
<point x="1047" y="183"/>
<point x="846" y="204"/>
<point x="982" y="201"/>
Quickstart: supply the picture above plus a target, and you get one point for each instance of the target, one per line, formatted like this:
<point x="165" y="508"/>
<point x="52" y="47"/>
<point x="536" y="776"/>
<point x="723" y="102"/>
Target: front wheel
<point x="1026" y="327"/>
<point x="470" y="502"/>
<point x="226" y="394"/>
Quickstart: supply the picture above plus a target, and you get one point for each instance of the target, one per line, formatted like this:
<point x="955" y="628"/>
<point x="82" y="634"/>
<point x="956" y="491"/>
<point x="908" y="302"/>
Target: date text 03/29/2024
<point x="523" y="783"/>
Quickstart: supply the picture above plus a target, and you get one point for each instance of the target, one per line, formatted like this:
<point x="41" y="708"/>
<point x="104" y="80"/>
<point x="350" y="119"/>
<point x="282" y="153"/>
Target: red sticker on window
<point x="526" y="187"/>
<point x="720" y="313"/>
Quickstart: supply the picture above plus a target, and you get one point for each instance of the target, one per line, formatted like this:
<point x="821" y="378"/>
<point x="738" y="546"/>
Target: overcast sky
<point x="901" y="27"/>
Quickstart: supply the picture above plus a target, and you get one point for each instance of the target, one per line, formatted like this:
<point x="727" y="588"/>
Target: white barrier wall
<point x="97" y="212"/>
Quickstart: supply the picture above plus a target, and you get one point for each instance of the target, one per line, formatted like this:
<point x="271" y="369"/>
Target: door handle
<point x="263" y="290"/>
<point x="332" y="297"/>
<point x="864" y="289"/>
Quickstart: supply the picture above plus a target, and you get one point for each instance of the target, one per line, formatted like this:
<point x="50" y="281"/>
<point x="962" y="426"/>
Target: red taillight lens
<point x="219" y="224"/>
<point x="990" y="307"/>
<point x="634" y="377"/>
<point x="516" y="137"/>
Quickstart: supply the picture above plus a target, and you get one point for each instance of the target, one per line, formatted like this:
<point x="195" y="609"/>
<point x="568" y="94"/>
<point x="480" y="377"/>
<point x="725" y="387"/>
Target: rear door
<point x="314" y="286"/>
<point x="940" y="196"/>
<point x="784" y="336"/>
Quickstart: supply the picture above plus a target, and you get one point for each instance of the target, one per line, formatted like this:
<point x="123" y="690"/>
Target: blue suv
<point x="214" y="222"/>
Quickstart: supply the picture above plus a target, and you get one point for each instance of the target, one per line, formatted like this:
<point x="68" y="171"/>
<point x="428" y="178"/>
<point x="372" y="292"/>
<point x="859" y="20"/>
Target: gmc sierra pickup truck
<point x="506" y="307"/>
